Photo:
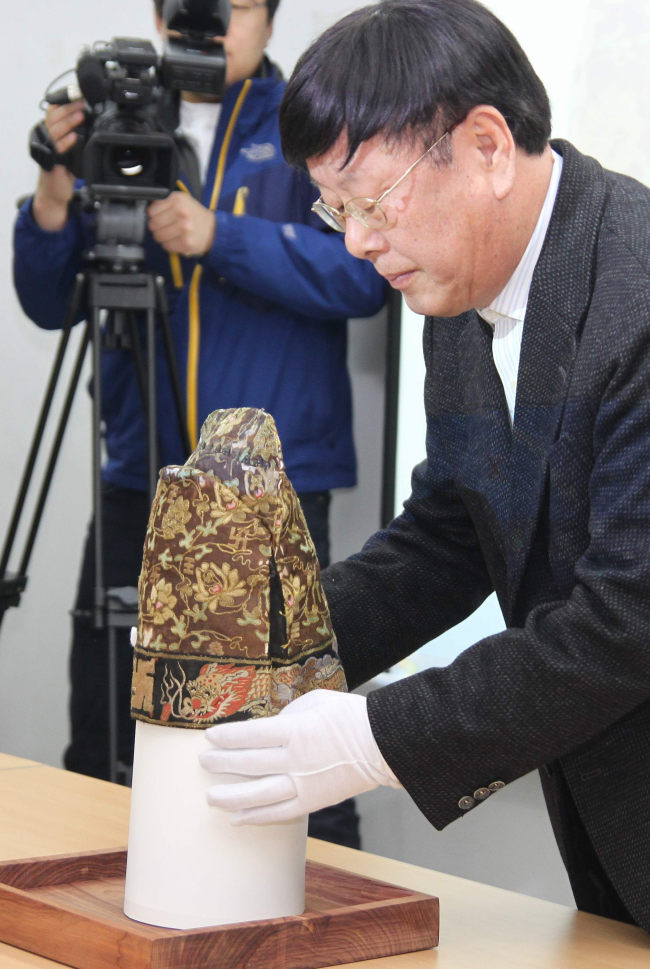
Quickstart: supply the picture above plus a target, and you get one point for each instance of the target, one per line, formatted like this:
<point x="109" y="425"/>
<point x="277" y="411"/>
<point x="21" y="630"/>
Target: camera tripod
<point x="110" y="300"/>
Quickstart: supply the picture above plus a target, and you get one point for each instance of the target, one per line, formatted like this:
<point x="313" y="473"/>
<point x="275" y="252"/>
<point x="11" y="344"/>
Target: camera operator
<point x="258" y="297"/>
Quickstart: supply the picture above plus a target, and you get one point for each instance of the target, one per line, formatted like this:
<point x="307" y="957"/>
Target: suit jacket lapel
<point x="487" y="451"/>
<point x="557" y="305"/>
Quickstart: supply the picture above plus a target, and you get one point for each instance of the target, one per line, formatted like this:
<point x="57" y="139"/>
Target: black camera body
<point x="123" y="150"/>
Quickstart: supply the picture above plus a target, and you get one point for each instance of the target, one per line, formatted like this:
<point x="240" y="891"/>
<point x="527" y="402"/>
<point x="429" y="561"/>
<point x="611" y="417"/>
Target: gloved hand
<point x="317" y="751"/>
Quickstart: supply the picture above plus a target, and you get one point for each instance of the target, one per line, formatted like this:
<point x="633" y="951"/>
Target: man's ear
<point x="493" y="146"/>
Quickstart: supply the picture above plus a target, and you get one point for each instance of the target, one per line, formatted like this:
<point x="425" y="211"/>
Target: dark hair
<point x="410" y="69"/>
<point x="271" y="6"/>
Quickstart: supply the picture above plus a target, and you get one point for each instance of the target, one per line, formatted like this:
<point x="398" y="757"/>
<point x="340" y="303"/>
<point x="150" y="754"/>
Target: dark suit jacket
<point x="554" y="514"/>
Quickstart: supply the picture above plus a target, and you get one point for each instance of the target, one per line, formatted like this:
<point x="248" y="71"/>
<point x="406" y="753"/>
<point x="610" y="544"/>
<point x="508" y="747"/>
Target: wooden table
<point x="46" y="811"/>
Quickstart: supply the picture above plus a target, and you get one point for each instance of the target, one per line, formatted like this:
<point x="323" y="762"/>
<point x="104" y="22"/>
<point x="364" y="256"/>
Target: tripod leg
<point x="71" y="317"/>
<point x="152" y="409"/>
<point x="54" y="451"/>
<point x="174" y="378"/>
<point x="100" y="592"/>
<point x="113" y="727"/>
<point x="146" y="376"/>
<point x="138" y="360"/>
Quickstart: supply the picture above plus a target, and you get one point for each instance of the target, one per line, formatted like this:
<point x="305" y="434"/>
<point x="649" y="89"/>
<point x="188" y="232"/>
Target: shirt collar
<point x="513" y="298"/>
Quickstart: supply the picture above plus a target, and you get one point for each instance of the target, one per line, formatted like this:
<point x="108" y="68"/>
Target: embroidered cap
<point x="233" y="622"/>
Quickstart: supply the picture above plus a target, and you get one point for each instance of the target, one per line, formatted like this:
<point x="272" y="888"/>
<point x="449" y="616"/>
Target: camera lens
<point x="129" y="161"/>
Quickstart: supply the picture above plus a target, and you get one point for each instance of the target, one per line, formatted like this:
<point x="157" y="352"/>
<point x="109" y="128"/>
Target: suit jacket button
<point x="466" y="803"/>
<point x="481" y="793"/>
<point x="496" y="786"/>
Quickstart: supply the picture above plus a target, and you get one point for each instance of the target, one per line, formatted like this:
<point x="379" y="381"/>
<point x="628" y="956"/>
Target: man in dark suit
<point x="427" y="133"/>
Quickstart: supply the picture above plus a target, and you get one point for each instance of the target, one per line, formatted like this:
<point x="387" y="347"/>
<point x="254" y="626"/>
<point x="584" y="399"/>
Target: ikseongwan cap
<point x="233" y="622"/>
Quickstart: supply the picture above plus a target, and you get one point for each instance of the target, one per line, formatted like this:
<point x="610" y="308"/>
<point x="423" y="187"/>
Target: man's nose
<point x="362" y="242"/>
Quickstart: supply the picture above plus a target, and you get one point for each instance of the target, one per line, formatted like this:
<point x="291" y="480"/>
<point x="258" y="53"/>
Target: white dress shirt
<point x="198" y="123"/>
<point x="507" y="311"/>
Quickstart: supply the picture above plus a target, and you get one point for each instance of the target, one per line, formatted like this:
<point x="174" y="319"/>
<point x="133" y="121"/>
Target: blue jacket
<point x="260" y="320"/>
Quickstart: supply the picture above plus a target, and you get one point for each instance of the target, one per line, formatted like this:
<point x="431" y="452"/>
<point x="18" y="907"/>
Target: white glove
<point x="317" y="751"/>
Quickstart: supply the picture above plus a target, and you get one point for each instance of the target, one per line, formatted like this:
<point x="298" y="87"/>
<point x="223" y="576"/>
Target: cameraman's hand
<point x="55" y="189"/>
<point x="182" y="225"/>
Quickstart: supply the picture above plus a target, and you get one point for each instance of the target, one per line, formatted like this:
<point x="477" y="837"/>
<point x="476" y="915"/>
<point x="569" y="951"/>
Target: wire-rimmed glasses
<point x="368" y="212"/>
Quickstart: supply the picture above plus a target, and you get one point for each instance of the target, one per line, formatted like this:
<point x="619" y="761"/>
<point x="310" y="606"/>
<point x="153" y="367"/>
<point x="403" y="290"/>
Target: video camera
<point x="123" y="151"/>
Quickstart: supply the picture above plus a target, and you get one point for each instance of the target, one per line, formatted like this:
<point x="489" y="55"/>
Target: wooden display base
<point x="69" y="908"/>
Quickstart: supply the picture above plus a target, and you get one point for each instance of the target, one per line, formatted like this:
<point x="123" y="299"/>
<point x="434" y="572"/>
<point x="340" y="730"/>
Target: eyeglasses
<point x="242" y="6"/>
<point x="368" y="212"/>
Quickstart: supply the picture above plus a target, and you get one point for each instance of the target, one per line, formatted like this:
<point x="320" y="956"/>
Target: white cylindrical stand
<point x="187" y="866"/>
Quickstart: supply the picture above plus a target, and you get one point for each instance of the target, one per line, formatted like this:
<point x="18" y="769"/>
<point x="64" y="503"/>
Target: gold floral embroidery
<point x="219" y="587"/>
<point x="233" y="620"/>
<point x="162" y="602"/>
<point x="176" y="518"/>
